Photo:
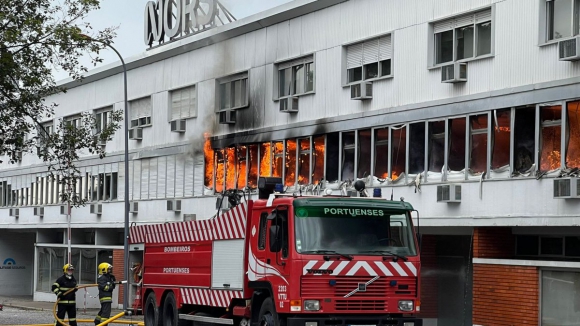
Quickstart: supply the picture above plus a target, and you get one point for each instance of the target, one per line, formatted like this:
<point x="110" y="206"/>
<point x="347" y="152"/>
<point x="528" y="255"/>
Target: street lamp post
<point x="126" y="122"/>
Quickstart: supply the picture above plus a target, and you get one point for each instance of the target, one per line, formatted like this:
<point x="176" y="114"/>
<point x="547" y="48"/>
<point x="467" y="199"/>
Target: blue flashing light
<point x="393" y="283"/>
<point x="377" y="193"/>
<point x="279" y="188"/>
<point x="332" y="282"/>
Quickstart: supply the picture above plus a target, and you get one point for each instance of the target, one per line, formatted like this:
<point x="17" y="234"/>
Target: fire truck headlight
<point x="311" y="305"/>
<point x="406" y="305"/>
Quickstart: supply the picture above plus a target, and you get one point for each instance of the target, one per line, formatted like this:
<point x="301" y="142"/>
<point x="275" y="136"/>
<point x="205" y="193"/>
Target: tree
<point x="37" y="36"/>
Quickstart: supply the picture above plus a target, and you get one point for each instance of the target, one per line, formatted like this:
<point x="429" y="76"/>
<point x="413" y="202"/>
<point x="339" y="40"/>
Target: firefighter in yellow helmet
<point x="106" y="282"/>
<point x="67" y="304"/>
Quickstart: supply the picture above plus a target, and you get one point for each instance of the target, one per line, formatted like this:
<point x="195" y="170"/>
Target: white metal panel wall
<point x="227" y="264"/>
<point x="170" y="176"/>
<point x="189" y="175"/>
<point x="179" y="175"/>
<point x="162" y="177"/>
<point x="153" y="170"/>
<point x="145" y="177"/>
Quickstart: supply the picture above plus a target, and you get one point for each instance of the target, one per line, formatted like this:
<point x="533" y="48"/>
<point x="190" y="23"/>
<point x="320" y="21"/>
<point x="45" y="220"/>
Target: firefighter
<point x="106" y="282"/>
<point x="67" y="304"/>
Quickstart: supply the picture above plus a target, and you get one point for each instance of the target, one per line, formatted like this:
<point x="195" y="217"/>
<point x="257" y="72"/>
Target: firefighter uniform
<point x="106" y="282"/>
<point x="67" y="304"/>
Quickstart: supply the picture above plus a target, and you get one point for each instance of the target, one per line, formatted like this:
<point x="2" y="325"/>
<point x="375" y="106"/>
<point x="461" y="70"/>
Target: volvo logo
<point x="320" y="271"/>
<point x="362" y="287"/>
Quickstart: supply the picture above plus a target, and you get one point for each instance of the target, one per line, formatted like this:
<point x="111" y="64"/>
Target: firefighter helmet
<point x="66" y="267"/>
<point x="105" y="268"/>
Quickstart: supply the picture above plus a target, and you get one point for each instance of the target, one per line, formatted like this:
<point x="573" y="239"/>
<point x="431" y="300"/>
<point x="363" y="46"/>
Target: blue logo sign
<point x="10" y="263"/>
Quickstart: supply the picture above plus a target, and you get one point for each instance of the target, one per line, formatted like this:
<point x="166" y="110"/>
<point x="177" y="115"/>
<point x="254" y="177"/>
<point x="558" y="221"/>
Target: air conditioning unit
<point x="97" y="209"/>
<point x="566" y="188"/>
<point x="289" y="104"/>
<point x="449" y="193"/>
<point x="14" y="212"/>
<point x="134" y="207"/>
<point x="178" y="125"/>
<point x="361" y="91"/>
<point x="136" y="133"/>
<point x="63" y="210"/>
<point x="39" y="211"/>
<point x="227" y="117"/>
<point x="174" y="205"/>
<point x="569" y="50"/>
<point x="454" y="73"/>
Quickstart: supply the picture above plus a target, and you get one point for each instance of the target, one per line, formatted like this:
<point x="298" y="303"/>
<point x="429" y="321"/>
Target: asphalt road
<point x="14" y="316"/>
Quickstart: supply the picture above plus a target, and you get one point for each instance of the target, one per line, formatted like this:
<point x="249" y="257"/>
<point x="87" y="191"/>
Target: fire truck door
<point x="278" y="241"/>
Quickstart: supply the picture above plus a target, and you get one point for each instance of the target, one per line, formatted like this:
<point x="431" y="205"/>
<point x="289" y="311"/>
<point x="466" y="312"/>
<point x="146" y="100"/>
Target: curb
<point x="25" y="307"/>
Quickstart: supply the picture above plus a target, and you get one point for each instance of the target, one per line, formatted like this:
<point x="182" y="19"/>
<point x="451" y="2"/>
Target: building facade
<point x="469" y="109"/>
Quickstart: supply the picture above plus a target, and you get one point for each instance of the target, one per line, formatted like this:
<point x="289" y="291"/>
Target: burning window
<point x="524" y="138"/>
<point x="348" y="155"/>
<point x="551" y="137"/>
<point x="265" y="159"/>
<point x="220" y="162"/>
<point x="436" y="146"/>
<point x="573" y="137"/>
<point x="242" y="167"/>
<point x="382" y="153"/>
<point x="456" y="159"/>
<point x="364" y="153"/>
<point x="290" y="171"/>
<point x="318" y="166"/>
<point x="209" y="162"/>
<point x="416" y="148"/>
<point x="332" y="146"/>
<point x="500" y="155"/>
<point x="278" y="161"/>
<point x="478" y="155"/>
<point x="253" y="164"/>
<point x="304" y="156"/>
<point x="398" y="151"/>
<point x="230" y="168"/>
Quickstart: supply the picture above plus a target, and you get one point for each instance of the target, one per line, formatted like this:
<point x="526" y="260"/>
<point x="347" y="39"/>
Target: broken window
<point x="332" y="146"/>
<point x="278" y="161"/>
<point x="290" y="173"/>
<point x="318" y="159"/>
<point x="416" y="148"/>
<point x="456" y="158"/>
<point x="436" y="146"/>
<point x="382" y="153"/>
<point x="348" y="155"/>
<point x="398" y="151"/>
<point x="253" y="174"/>
<point x="230" y="168"/>
<point x="524" y="134"/>
<point x="573" y="136"/>
<point x="209" y="157"/>
<point x="478" y="155"/>
<point x="265" y="159"/>
<point x="304" y="161"/>
<point x="500" y="155"/>
<point x="550" y="137"/>
<point x="242" y="168"/>
<point x="220" y="171"/>
<point x="364" y="153"/>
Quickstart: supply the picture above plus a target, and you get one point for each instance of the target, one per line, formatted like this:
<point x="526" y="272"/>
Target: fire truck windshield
<point x="355" y="231"/>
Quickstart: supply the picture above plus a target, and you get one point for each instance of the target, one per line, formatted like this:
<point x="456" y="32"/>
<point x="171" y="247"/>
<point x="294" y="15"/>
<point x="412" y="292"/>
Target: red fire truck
<point x="284" y="259"/>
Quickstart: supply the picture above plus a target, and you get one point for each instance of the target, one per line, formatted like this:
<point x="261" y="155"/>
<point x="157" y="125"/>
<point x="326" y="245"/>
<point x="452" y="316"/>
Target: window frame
<point x="230" y="80"/>
<point x="291" y="63"/>
<point x="100" y="124"/>
<point x="137" y="122"/>
<point x="432" y="46"/>
<point x="170" y="100"/>
<point x="545" y="26"/>
<point x="344" y="70"/>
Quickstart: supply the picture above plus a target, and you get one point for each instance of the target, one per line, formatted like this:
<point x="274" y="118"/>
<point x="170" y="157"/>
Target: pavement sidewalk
<point x="26" y="302"/>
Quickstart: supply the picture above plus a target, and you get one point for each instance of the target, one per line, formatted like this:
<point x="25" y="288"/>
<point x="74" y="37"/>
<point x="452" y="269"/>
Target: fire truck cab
<point x="283" y="259"/>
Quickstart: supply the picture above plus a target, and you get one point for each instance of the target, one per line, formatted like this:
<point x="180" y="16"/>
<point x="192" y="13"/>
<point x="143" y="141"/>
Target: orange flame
<point x="290" y="162"/>
<point x="253" y="157"/>
<point x="318" y="158"/>
<point x="209" y="161"/>
<point x="265" y="159"/>
<point x="277" y="162"/>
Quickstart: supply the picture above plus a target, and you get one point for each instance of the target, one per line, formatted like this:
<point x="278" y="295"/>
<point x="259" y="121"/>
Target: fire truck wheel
<point x="170" y="317"/>
<point x="151" y="313"/>
<point x="268" y="315"/>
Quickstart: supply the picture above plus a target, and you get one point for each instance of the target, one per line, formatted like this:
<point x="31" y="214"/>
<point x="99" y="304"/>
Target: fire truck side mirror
<point x="275" y="243"/>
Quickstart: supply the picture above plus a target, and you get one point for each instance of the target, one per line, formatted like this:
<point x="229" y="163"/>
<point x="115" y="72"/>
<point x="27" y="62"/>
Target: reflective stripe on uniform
<point x="66" y="289"/>
<point x="106" y="298"/>
<point x="56" y="290"/>
<point x="72" y="319"/>
<point x="67" y="301"/>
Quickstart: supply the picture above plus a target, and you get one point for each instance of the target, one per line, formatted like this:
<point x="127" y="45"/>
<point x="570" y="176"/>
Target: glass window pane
<point x="560" y="19"/>
<point x="318" y="159"/>
<point x="382" y="153"/>
<point x="436" y="146"/>
<point x="298" y="79"/>
<point x="290" y="162"/>
<point x="304" y="161"/>
<point x="265" y="159"/>
<point x="253" y="177"/>
<point x="88" y="268"/>
<point x="484" y="38"/>
<point x="573" y="145"/>
<point x="524" y="134"/>
<point x="309" y="77"/>
<point x="464" y="37"/>
<point x="551" y="246"/>
<point x="399" y="152"/>
<point x="444" y="47"/>
<point x="332" y="162"/>
<point x="285" y="81"/>
<point x="58" y="256"/>
<point x="550" y="158"/>
<point x="372" y="70"/>
<point x="225" y="96"/>
<point x="385" y="67"/>
<point x="560" y="298"/>
<point x="572" y="246"/>
<point x="417" y="148"/>
<point x="354" y="74"/>
<point x="501" y="139"/>
<point x="478" y="155"/>
<point x="348" y="152"/>
<point x="364" y="153"/>
<point x="457" y="144"/>
<point x="238" y="93"/>
<point x="44" y="281"/>
<point x="278" y="162"/>
<point x="527" y="245"/>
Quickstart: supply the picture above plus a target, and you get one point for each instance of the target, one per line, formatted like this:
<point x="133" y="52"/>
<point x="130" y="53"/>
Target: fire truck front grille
<point x="361" y="305"/>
